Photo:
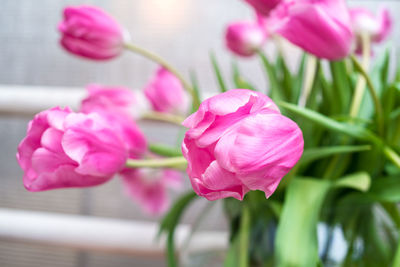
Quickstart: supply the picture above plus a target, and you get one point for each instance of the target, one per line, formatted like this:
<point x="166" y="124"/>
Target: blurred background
<point x="182" y="31"/>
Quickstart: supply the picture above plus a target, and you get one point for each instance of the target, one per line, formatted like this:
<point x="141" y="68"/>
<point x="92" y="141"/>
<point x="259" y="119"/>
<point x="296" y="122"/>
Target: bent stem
<point x="164" y="117"/>
<point x="155" y="58"/>
<point x="173" y="162"/>
<point x="372" y="90"/>
<point x="311" y="68"/>
<point x="361" y="82"/>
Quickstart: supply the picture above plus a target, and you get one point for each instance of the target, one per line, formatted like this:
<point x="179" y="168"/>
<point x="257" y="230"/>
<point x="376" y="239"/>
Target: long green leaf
<point x="312" y="154"/>
<point x="164" y="150"/>
<point x="239" y="80"/>
<point x="218" y="73"/>
<point x="171" y="220"/>
<point x="275" y="90"/>
<point x="296" y="241"/>
<point x="196" y="89"/>
<point x="348" y="129"/>
<point x="360" y="181"/>
<point x="341" y="84"/>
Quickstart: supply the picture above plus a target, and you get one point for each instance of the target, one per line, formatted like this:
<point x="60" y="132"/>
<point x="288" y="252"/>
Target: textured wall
<point x="183" y="31"/>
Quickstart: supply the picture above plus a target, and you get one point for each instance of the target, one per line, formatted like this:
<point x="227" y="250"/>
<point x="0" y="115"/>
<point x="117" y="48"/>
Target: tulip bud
<point x="239" y="141"/>
<point x="320" y="27"/>
<point x="166" y="93"/>
<point x="244" y="38"/>
<point x="376" y="27"/>
<point x="91" y="33"/>
<point x="264" y="7"/>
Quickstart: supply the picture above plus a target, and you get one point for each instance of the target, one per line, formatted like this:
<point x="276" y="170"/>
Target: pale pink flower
<point x="376" y="27"/>
<point x="66" y="149"/>
<point x="239" y="141"/>
<point x="166" y="93"/>
<point x="91" y="33"/>
<point x="149" y="187"/>
<point x="320" y="27"/>
<point x="245" y="38"/>
<point x="264" y="7"/>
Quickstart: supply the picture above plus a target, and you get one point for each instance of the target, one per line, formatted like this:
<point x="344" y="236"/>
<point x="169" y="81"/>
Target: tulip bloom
<point x="376" y="27"/>
<point x="148" y="187"/>
<point x="239" y="141"/>
<point x="245" y="38"/>
<point x="66" y="149"/>
<point x="320" y="27"/>
<point x="116" y="106"/>
<point x="91" y="33"/>
<point x="115" y="100"/>
<point x="166" y="94"/>
<point x="264" y="7"/>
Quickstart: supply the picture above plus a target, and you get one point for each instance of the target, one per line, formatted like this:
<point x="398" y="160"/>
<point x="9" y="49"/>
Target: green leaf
<point x="239" y="80"/>
<point x="296" y="241"/>
<point x="171" y="220"/>
<point x="312" y="154"/>
<point x="348" y="129"/>
<point x="285" y="77"/>
<point x="231" y="259"/>
<point x="386" y="189"/>
<point x="196" y="89"/>
<point x="164" y="150"/>
<point x="275" y="90"/>
<point x="218" y="74"/>
<point x="360" y="181"/>
<point x="341" y="83"/>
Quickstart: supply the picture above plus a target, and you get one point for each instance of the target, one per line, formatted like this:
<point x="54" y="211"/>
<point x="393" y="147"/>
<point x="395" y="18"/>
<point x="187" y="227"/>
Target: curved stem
<point x="372" y="90"/>
<point x="165" y="64"/>
<point x="158" y="116"/>
<point x="173" y="162"/>
<point x="311" y="68"/>
<point x="360" y="85"/>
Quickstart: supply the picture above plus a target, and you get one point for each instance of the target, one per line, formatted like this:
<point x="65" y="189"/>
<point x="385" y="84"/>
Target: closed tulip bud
<point x="245" y="38"/>
<point x="239" y="141"/>
<point x="91" y="33"/>
<point x="264" y="7"/>
<point x="377" y="28"/>
<point x="166" y="93"/>
<point x="67" y="149"/>
<point x="320" y="27"/>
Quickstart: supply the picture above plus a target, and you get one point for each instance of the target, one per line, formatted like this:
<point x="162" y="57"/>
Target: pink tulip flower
<point x="116" y="105"/>
<point x="166" y="93"/>
<point x="66" y="149"/>
<point x="264" y="7"/>
<point x="239" y="141"/>
<point x="245" y="38"/>
<point x="149" y="188"/>
<point x="376" y="27"/>
<point x="320" y="27"/>
<point x="114" y="100"/>
<point x="91" y="33"/>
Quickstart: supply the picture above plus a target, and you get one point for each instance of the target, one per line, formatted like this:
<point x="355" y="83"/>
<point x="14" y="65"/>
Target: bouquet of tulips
<point x="322" y="150"/>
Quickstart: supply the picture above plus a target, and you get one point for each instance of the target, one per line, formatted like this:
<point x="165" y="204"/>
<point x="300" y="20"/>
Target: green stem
<point x="158" y="116"/>
<point x="153" y="57"/>
<point x="309" y="77"/>
<point x="372" y="90"/>
<point x="360" y="86"/>
<point x="174" y="162"/>
<point x="165" y="150"/>
<point x="396" y="261"/>
<point x="244" y="237"/>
